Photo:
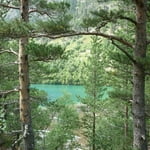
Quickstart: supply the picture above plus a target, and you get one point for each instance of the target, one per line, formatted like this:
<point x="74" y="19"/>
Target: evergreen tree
<point x="14" y="30"/>
<point x="103" y="18"/>
<point x="121" y="80"/>
<point x="93" y="86"/>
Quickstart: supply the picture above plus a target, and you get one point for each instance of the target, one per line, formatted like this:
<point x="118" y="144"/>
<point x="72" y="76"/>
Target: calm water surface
<point x="56" y="91"/>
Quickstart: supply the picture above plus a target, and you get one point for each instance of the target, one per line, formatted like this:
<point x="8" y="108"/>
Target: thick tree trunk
<point x="25" y="114"/>
<point x="139" y="118"/>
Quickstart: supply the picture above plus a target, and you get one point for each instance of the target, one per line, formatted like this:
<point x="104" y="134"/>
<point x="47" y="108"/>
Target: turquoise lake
<point x="56" y="91"/>
<point x="75" y="91"/>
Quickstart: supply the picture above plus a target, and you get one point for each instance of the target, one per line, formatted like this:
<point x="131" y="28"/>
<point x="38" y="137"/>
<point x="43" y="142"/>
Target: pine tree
<point x="121" y="80"/>
<point x="93" y="85"/>
<point x="24" y="99"/>
<point x="58" y="23"/>
<point x="104" y="18"/>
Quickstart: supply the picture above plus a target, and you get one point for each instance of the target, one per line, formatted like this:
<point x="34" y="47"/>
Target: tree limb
<point x="3" y="94"/>
<point x="147" y="73"/>
<point x="110" y="37"/>
<point x="11" y="63"/>
<point x="129" y="19"/>
<point x="24" y="135"/>
<point x="9" y="51"/>
<point x="125" y="52"/>
<point x="69" y="34"/>
<point x="40" y="12"/>
<point x="148" y="42"/>
<point x="10" y="7"/>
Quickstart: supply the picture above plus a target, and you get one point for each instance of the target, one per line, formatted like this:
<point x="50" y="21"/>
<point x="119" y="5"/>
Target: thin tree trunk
<point x="95" y="75"/>
<point x="126" y="125"/>
<point x="25" y="112"/>
<point x="139" y="118"/>
<point x="94" y="130"/>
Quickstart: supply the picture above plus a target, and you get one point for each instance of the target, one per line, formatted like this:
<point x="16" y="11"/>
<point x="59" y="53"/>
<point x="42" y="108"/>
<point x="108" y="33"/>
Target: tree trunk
<point x="94" y="130"/>
<point x="25" y="114"/>
<point x="139" y="118"/>
<point x="126" y="123"/>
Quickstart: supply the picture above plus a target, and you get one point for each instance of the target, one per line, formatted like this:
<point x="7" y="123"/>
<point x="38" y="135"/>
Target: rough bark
<point x="25" y="112"/>
<point x="139" y="118"/>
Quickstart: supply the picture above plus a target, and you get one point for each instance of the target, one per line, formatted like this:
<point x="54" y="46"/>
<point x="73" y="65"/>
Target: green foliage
<point x="93" y="85"/>
<point x="53" y="6"/>
<point x="63" y="127"/>
<point x="14" y="29"/>
<point x="8" y="70"/>
<point x="121" y="94"/>
<point x="57" y="26"/>
<point x="111" y="124"/>
<point x="44" y="52"/>
<point x="95" y="68"/>
<point x="67" y="70"/>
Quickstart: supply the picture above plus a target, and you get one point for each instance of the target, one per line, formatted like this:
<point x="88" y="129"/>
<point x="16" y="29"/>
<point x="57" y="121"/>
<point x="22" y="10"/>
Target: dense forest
<point x="101" y="45"/>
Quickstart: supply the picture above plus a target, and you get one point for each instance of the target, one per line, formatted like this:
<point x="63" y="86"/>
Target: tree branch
<point x="125" y="52"/>
<point x="69" y="34"/>
<point x="24" y="135"/>
<point x="3" y="94"/>
<point x="40" y="12"/>
<point x="11" y="63"/>
<point x="10" y="7"/>
<point x="110" y="37"/>
<point x="129" y="19"/>
<point x="148" y="42"/>
<point x="9" y="51"/>
<point x="147" y="73"/>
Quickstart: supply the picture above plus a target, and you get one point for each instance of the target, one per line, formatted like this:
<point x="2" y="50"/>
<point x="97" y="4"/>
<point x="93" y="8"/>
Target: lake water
<point x="56" y="91"/>
<point x="75" y="91"/>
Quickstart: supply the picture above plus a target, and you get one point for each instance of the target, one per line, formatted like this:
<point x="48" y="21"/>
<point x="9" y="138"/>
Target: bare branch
<point x="129" y="19"/>
<point x="3" y="94"/>
<point x="11" y="63"/>
<point x="8" y="6"/>
<point x="24" y="135"/>
<point x="40" y="12"/>
<point x="110" y="37"/>
<point x="9" y="51"/>
<point x="14" y="132"/>
<point x="61" y="35"/>
<point x="125" y="52"/>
